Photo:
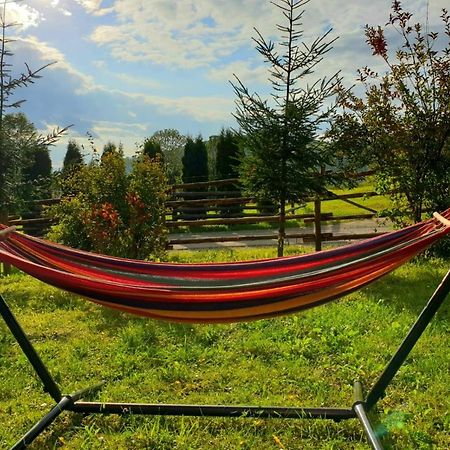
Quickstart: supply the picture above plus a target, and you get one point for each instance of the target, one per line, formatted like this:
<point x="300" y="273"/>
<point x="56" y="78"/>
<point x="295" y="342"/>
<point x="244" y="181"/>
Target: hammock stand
<point x="362" y="404"/>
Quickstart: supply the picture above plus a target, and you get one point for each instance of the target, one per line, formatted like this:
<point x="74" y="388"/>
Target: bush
<point x="106" y="210"/>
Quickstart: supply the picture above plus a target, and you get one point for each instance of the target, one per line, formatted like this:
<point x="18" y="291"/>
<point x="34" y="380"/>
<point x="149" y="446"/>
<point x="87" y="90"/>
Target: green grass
<point x="308" y="359"/>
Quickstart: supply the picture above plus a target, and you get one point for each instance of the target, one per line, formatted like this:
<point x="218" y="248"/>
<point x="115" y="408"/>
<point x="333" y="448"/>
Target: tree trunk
<point x="282" y="227"/>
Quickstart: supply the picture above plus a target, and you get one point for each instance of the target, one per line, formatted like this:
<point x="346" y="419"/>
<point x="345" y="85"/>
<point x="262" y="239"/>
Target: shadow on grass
<point x="410" y="287"/>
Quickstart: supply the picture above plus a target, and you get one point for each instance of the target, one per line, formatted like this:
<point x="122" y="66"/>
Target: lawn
<point x="307" y="359"/>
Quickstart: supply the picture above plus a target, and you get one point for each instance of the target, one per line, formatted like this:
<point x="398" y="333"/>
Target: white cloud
<point x="202" y="109"/>
<point x="47" y="53"/>
<point x="184" y="34"/>
<point x="247" y="71"/>
<point x="138" y="82"/>
<point x="208" y="34"/>
<point x="94" y="7"/>
<point x="23" y="16"/>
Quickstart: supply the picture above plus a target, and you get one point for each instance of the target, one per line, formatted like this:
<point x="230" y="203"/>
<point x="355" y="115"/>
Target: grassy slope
<point x="308" y="359"/>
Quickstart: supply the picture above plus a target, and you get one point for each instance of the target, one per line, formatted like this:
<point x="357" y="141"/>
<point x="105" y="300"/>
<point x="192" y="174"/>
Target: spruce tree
<point x="73" y="157"/>
<point x="227" y="156"/>
<point x="195" y="168"/>
<point x="195" y="161"/>
<point x="282" y="160"/>
<point x="227" y="165"/>
<point x="152" y="148"/>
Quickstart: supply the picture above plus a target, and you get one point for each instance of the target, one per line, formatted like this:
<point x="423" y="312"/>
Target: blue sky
<point x="127" y="68"/>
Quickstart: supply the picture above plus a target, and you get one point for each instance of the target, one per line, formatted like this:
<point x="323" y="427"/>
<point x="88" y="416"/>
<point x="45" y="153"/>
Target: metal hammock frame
<point x="362" y="404"/>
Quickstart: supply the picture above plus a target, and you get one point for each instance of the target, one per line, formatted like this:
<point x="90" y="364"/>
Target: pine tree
<point x="227" y="156"/>
<point x="73" y="157"/>
<point x="282" y="161"/>
<point x="152" y="148"/>
<point x="227" y="165"/>
<point x="195" y="161"/>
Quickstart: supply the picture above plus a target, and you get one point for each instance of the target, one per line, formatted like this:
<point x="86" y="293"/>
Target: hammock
<point x="220" y="293"/>
<point x="226" y="292"/>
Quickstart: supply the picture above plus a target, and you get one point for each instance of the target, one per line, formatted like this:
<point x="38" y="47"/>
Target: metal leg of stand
<point x="360" y="410"/>
<point x="45" y="422"/>
<point x="409" y="342"/>
<point x="65" y="404"/>
<point x="49" y="383"/>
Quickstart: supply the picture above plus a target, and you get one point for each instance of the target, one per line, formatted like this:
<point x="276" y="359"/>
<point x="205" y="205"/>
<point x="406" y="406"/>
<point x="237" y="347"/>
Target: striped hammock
<point x="224" y="292"/>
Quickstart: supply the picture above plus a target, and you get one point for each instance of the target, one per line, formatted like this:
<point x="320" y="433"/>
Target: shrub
<point x="106" y="210"/>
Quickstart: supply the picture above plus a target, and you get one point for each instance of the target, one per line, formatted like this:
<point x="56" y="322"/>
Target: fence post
<point x="317" y="224"/>
<point x="6" y="268"/>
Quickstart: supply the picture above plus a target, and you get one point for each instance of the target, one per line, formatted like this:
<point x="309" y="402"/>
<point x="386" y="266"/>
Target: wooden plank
<point x="352" y="237"/>
<point x="206" y="184"/>
<point x="307" y="237"/>
<point x="37" y="221"/>
<point x="232" y="221"/>
<point x="205" y="194"/>
<point x="327" y="217"/>
<point x="207" y="202"/>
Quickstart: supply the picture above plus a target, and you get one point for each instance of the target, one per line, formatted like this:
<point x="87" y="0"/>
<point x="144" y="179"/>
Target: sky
<point x="124" y="69"/>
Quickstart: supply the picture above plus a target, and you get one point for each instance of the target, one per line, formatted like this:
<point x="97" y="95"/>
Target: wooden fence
<point x="220" y="202"/>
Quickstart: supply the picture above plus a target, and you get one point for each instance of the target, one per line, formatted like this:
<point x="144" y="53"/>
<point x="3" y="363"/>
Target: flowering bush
<point x="107" y="210"/>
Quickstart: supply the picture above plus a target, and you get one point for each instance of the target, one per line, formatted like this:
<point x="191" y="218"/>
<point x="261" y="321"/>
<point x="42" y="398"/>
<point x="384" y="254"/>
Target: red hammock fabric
<point x="225" y="292"/>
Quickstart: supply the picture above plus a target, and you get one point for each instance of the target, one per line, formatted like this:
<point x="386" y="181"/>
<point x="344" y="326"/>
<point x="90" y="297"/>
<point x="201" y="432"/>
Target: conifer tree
<point x="73" y="157"/>
<point x="227" y="165"/>
<point x="195" y="161"/>
<point x="282" y="160"/>
<point x="151" y="148"/>
<point x="227" y="156"/>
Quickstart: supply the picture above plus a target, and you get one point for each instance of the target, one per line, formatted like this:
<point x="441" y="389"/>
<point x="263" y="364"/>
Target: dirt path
<point x="338" y="228"/>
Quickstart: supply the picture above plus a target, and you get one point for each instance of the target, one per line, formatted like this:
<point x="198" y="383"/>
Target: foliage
<point x="227" y="162"/>
<point x="109" y="211"/>
<point x="110" y="147"/>
<point x="401" y="128"/>
<point x="73" y="158"/>
<point x="151" y="148"/>
<point x="30" y="176"/>
<point x="281" y="154"/>
<point x="172" y="144"/>
<point x="11" y="154"/>
<point x="227" y="158"/>
<point x="195" y="161"/>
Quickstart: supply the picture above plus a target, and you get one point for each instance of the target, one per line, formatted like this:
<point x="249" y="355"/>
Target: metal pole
<point x="360" y="411"/>
<point x="50" y="385"/>
<point x="409" y="342"/>
<point x="40" y="426"/>
<point x="213" y="410"/>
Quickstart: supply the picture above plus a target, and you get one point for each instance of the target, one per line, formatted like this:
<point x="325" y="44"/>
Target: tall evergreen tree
<point x="151" y="148"/>
<point x="39" y="166"/>
<point x="195" y="161"/>
<point x="282" y="161"/>
<point x="227" y="157"/>
<point x="227" y="164"/>
<point x="73" y="157"/>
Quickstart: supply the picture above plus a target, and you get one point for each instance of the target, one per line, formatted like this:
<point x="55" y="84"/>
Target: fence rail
<point x="228" y="207"/>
